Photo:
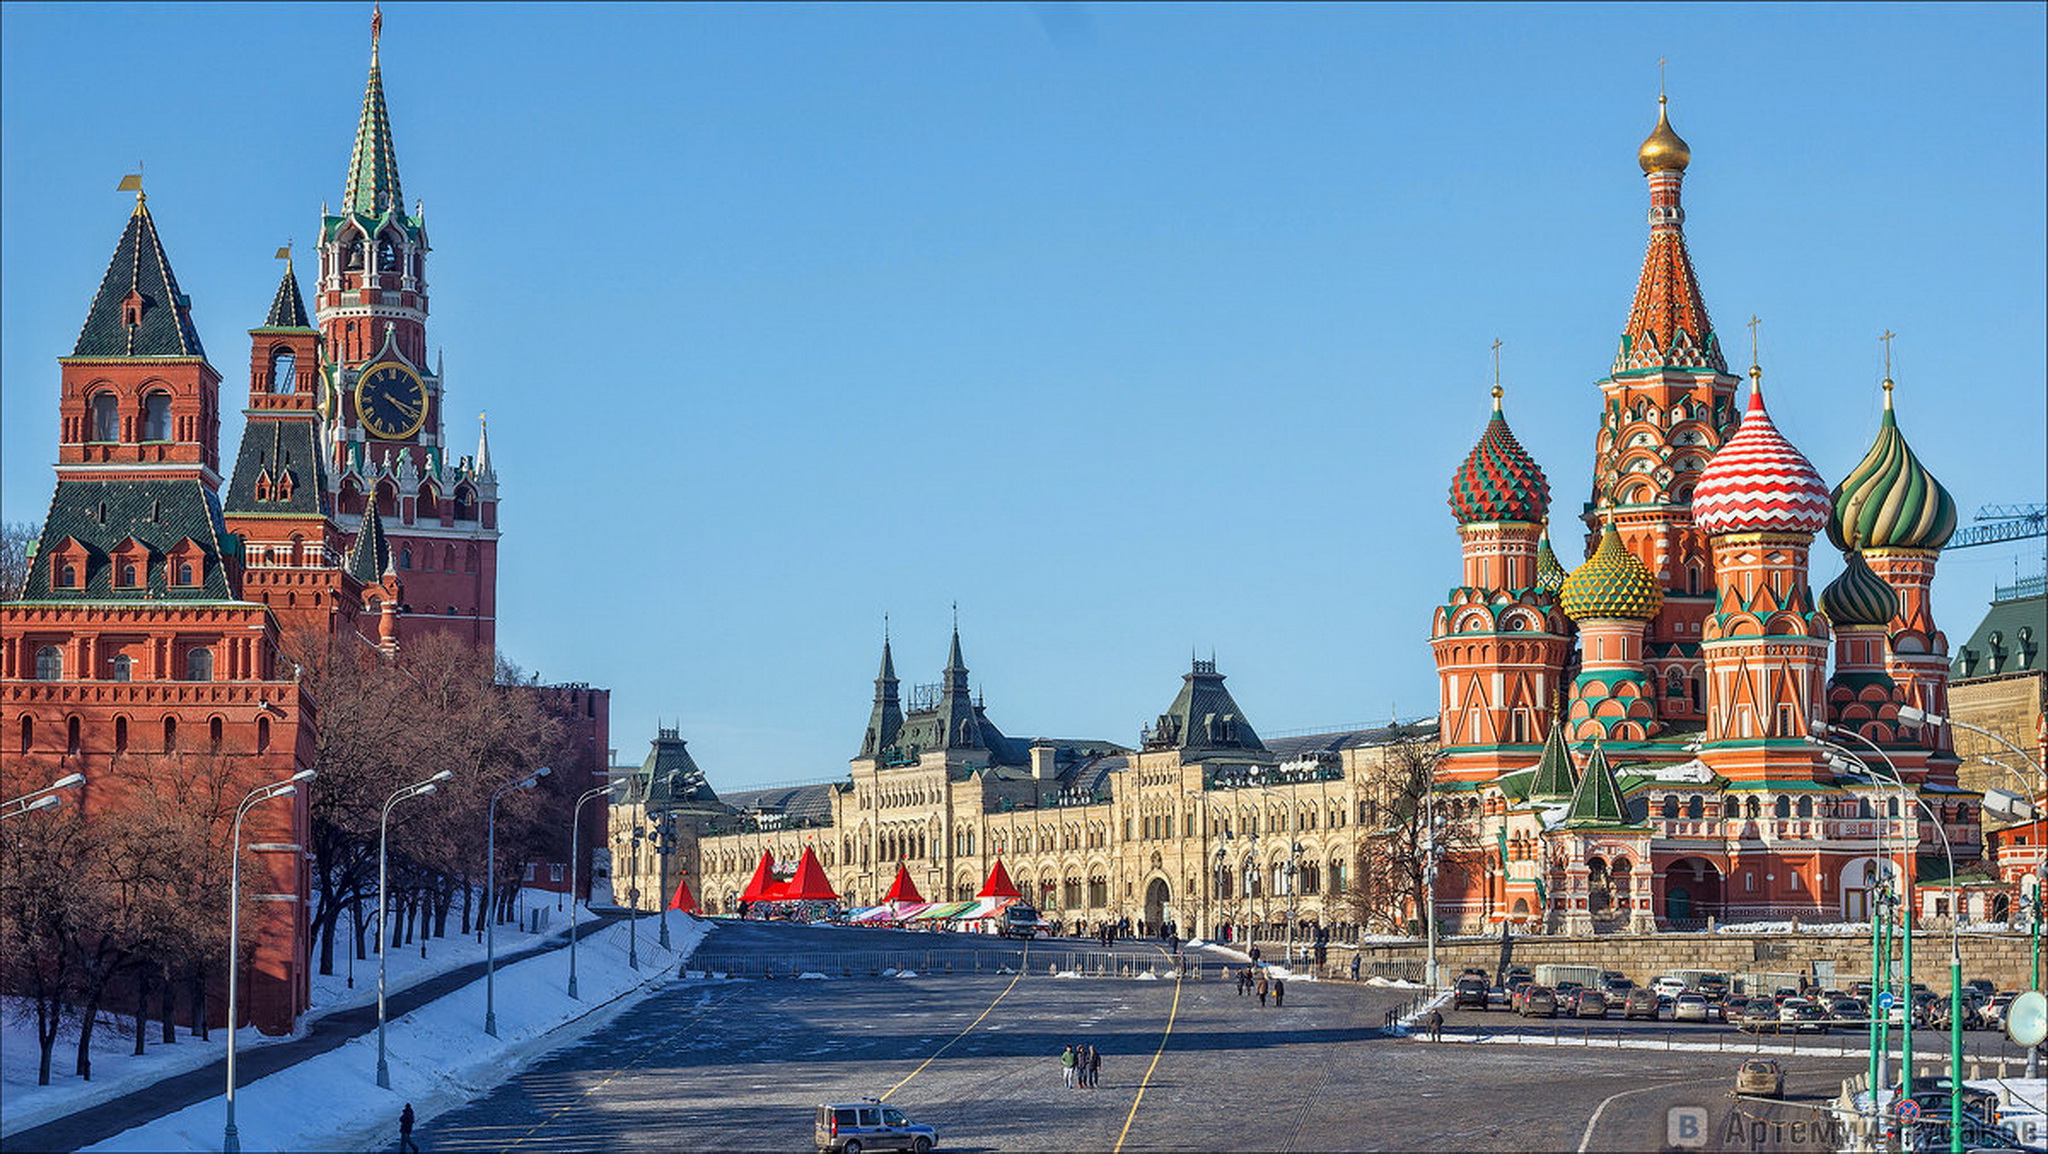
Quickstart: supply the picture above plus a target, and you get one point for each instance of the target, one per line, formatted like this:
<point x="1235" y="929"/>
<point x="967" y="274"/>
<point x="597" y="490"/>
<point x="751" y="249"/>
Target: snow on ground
<point x="116" y="1071"/>
<point x="439" y="1055"/>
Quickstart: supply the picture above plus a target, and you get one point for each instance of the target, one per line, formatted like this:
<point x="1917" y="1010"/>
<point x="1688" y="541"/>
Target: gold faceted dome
<point x="1665" y="149"/>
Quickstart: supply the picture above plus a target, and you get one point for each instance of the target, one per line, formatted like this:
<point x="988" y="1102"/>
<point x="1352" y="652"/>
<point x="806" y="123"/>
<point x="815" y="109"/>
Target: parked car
<point x="1759" y="1017"/>
<point x="1614" y="979"/>
<point x="1666" y="984"/>
<point x="851" y="1127"/>
<point x="1847" y="1009"/>
<point x="1760" y="1078"/>
<point x="1538" y="1002"/>
<point x="1714" y="987"/>
<point x="1695" y="1008"/>
<point x="1640" y="1002"/>
<point x="1589" y="1004"/>
<point x="1994" y="1010"/>
<point x="1469" y="992"/>
<point x="1802" y="1015"/>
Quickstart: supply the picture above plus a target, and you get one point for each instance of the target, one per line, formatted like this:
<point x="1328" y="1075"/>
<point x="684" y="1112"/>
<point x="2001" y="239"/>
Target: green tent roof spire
<point x="288" y="308"/>
<point x="373" y="168"/>
<point x="1556" y="777"/>
<point x="1598" y="798"/>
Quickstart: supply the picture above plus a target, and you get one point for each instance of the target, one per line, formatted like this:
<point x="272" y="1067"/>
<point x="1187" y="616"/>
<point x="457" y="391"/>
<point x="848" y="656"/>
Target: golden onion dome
<point x="1611" y="583"/>
<point x="1664" y="150"/>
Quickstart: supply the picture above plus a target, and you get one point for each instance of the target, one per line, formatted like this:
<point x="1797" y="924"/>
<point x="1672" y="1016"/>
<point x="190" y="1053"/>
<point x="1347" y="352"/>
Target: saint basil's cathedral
<point x="1654" y="739"/>
<point x="161" y="605"/>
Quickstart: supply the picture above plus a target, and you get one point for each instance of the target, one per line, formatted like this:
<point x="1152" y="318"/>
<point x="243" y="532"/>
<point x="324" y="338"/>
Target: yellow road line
<point x="1132" y="1116"/>
<point x="1023" y="964"/>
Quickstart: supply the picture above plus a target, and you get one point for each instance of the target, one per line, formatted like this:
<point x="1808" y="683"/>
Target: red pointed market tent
<point x="998" y="884"/>
<point x="904" y="890"/>
<point x="761" y="887"/>
<point x="683" y="899"/>
<point x="809" y="884"/>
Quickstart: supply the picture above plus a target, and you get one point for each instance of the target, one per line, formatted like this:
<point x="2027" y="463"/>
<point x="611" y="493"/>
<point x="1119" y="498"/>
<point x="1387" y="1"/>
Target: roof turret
<point x="1663" y="150"/>
<point x="373" y="189"/>
<point x="1556" y="777"/>
<point x="1668" y="326"/>
<point x="1859" y="596"/>
<point x="1890" y="500"/>
<point x="370" y="556"/>
<point x="1499" y="481"/>
<point x="1598" y="800"/>
<point x="1758" y="482"/>
<point x="1612" y="583"/>
<point x="1550" y="574"/>
<point x="287" y="308"/>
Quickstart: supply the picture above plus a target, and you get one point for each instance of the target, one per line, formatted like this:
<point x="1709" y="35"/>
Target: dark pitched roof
<point x="1598" y="800"/>
<point x="1203" y="716"/>
<point x="1336" y="741"/>
<point x="278" y="449"/>
<point x="1557" y="778"/>
<point x="671" y="777"/>
<point x="287" y="309"/>
<point x="2020" y="625"/>
<point x="159" y="514"/>
<point x="370" y="556"/>
<point x="141" y="269"/>
<point x="812" y="803"/>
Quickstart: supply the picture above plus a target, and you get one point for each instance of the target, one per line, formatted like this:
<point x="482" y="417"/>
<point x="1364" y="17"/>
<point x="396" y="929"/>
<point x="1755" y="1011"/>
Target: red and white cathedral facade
<point x="1656" y="739"/>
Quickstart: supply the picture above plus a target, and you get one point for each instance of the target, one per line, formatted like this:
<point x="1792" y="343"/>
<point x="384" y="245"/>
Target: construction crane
<point x="1996" y="523"/>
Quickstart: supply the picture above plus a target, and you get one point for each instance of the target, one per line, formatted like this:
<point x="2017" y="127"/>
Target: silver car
<point x="1694" y="1008"/>
<point x="851" y="1127"/>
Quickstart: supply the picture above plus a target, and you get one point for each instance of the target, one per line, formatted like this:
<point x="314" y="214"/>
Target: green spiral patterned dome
<point x="1890" y="500"/>
<point x="1549" y="574"/>
<point x="1859" y="596"/>
<point x="1612" y="583"/>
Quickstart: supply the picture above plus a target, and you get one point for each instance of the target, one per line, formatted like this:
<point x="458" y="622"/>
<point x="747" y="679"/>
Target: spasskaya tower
<point x="383" y="408"/>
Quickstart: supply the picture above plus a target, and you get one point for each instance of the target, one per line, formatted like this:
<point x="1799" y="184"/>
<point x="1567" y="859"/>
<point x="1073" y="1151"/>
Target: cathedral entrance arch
<point x="1692" y="892"/>
<point x="1158" y="905"/>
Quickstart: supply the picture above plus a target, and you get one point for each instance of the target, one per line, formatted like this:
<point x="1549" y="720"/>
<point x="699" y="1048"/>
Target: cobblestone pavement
<point x="743" y="1064"/>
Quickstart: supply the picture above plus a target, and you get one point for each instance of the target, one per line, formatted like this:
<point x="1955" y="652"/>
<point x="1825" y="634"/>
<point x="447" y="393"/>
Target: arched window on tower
<point x="49" y="663"/>
<point x="28" y="733"/>
<point x="106" y="417"/>
<point x="199" y="664"/>
<point x="121" y="668"/>
<point x="284" y="372"/>
<point x="156" y="417"/>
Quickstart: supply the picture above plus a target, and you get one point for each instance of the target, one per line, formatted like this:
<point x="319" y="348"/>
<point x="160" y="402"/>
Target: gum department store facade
<point x="1625" y="747"/>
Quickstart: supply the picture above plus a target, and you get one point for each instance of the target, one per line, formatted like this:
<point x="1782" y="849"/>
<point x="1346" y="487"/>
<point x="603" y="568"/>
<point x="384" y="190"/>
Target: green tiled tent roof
<point x="140" y="267"/>
<point x="160" y="514"/>
<point x="373" y="166"/>
<point x="287" y="309"/>
<point x="284" y="446"/>
<point x="1556" y="777"/>
<point x="1598" y="800"/>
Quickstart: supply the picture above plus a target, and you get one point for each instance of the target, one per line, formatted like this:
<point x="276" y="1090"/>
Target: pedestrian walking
<point x="405" y="1121"/>
<point x="1354" y="966"/>
<point x="1279" y="993"/>
<point x="1263" y="990"/>
<point x="1068" y="1061"/>
<point x="1436" y="1026"/>
<point x="1254" y="952"/>
<point x="1094" y="1066"/>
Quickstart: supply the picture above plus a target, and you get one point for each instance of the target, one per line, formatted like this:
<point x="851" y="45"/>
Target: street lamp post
<point x="491" y="895"/>
<point x="47" y="797"/>
<point x="403" y="793"/>
<point x="231" y="1138"/>
<point x="664" y="830"/>
<point x="575" y="831"/>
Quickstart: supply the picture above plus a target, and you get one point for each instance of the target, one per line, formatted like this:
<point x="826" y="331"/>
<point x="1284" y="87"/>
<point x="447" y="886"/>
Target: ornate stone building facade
<point x="1203" y="824"/>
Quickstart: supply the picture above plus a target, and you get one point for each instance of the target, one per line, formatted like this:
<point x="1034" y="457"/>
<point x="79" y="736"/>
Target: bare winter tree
<point x="16" y="539"/>
<point x="1391" y="890"/>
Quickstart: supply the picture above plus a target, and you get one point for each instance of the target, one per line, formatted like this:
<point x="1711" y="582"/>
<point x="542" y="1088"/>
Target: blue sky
<point x="1137" y="331"/>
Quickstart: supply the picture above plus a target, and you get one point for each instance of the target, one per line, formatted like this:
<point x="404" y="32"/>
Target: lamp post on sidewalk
<point x="44" y="798"/>
<point x="491" y="895"/>
<point x="231" y="1138"/>
<point x="403" y="793"/>
<point x="575" y="859"/>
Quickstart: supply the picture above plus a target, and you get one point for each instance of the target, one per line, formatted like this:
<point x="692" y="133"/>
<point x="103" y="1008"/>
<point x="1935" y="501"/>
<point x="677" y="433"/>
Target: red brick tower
<point x="279" y="501"/>
<point x="383" y="404"/>
<point x="1668" y="404"/>
<point x="131" y="645"/>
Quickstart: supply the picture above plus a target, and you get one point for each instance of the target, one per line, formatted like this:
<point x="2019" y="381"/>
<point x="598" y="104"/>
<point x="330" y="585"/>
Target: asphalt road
<point x="711" y="1064"/>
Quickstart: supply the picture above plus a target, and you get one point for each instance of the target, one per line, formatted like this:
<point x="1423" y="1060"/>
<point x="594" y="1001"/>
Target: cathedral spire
<point x="1598" y="800"/>
<point x="373" y="189"/>
<point x="1667" y="322"/>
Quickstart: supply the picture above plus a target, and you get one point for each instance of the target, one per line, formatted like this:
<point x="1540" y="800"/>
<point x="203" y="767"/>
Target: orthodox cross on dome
<point x="1887" y="337"/>
<point x="1754" y="321"/>
<point x="376" y="29"/>
<point x="1496" y="374"/>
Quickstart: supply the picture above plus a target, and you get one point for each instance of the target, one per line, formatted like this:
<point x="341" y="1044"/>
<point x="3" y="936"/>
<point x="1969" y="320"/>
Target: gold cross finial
<point x="1496" y="374"/>
<point x="1754" y="321"/>
<point x="1887" y="336"/>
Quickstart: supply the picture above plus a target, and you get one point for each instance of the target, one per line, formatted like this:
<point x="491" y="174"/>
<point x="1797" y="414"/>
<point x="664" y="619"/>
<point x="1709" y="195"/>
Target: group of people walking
<point x="1250" y="981"/>
<point x="1080" y="1066"/>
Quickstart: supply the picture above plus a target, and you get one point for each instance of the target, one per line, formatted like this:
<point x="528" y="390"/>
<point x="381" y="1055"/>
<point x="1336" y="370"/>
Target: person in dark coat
<point x="1094" y="1065"/>
<point x="405" y="1121"/>
<point x="1279" y="993"/>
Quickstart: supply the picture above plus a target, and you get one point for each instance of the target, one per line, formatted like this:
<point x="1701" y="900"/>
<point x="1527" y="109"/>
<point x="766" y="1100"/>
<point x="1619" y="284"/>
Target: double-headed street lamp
<point x="575" y="832"/>
<point x="231" y="1139"/>
<point x="47" y="797"/>
<point x="403" y="793"/>
<point x="491" y="895"/>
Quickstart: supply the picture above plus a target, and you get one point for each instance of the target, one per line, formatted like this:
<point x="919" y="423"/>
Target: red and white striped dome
<point x="1759" y="483"/>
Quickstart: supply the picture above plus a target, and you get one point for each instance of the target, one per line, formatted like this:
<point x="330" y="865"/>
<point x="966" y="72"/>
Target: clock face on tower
<point x="391" y="401"/>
